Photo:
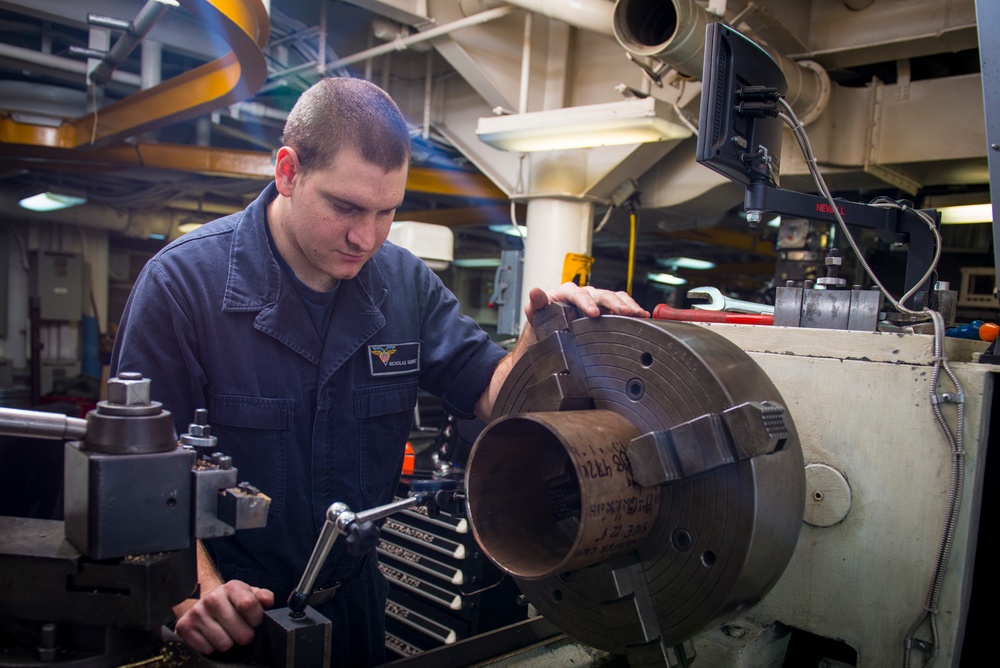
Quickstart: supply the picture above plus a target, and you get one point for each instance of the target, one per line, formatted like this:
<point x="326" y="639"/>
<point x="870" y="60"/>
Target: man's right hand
<point x="224" y="616"/>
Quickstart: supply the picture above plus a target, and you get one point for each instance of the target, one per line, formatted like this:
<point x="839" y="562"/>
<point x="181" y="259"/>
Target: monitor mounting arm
<point x="889" y="224"/>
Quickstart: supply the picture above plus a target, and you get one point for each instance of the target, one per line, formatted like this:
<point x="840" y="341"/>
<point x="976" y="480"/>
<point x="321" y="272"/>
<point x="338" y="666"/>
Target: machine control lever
<point x="341" y="520"/>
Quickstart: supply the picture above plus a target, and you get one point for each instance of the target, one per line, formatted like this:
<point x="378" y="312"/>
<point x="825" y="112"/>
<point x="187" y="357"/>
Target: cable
<point x="955" y="440"/>
<point x="605" y="219"/>
<point x="956" y="445"/>
<point x="25" y="263"/>
<point x="798" y="131"/>
<point x="518" y="189"/>
<point x="681" y="114"/>
<point x="93" y="102"/>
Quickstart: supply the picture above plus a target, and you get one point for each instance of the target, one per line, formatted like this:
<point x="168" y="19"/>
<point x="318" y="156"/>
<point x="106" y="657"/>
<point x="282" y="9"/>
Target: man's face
<point x="328" y="221"/>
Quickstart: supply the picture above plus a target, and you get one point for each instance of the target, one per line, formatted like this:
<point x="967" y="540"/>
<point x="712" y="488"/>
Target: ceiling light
<point x="685" y="263"/>
<point x="477" y="262"/>
<point x="184" y="228"/>
<point x="520" y="231"/>
<point x="49" y="201"/>
<point x="170" y="3"/>
<point x="633" y="121"/>
<point x="668" y="279"/>
<point x="774" y="222"/>
<point x="968" y="213"/>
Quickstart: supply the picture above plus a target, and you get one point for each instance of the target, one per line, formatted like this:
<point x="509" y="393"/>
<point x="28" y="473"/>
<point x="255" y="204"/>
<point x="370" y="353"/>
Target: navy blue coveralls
<point x="214" y="322"/>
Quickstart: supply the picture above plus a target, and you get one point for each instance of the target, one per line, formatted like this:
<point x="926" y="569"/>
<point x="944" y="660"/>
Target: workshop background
<point x="145" y="119"/>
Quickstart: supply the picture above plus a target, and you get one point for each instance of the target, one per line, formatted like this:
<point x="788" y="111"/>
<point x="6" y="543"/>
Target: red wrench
<point x="664" y="312"/>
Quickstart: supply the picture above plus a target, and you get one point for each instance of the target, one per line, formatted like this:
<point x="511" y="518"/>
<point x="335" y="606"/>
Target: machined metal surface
<point x="555" y="461"/>
<point x="129" y="422"/>
<point x="119" y="505"/>
<point x="828" y="496"/>
<point x="856" y="310"/>
<point x="721" y="537"/>
<point x="99" y="586"/>
<point x="17" y="422"/>
<point x="44" y="578"/>
<point x="297" y="639"/>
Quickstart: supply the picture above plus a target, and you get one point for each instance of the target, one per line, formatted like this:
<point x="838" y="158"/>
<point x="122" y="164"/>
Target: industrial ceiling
<point x="179" y="123"/>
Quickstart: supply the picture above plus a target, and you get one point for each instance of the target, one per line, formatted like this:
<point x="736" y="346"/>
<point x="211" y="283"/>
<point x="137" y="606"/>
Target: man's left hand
<point x="591" y="301"/>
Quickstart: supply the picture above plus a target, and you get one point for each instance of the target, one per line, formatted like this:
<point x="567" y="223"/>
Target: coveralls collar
<point x="256" y="283"/>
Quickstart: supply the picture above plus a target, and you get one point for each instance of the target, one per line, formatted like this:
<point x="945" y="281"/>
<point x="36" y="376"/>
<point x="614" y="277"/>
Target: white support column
<point x="556" y="225"/>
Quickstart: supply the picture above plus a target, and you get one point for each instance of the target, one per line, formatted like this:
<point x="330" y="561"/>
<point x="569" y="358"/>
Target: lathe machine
<point x="671" y="492"/>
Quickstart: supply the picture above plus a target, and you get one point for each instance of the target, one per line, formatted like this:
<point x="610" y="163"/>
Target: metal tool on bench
<point x="720" y="302"/>
<point x="664" y="312"/>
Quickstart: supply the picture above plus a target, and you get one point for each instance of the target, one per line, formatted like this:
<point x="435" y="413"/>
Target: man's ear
<point x="286" y="169"/>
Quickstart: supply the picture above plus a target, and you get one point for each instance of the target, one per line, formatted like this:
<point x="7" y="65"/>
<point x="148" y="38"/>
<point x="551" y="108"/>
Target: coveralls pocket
<point x="385" y="416"/>
<point x="254" y="431"/>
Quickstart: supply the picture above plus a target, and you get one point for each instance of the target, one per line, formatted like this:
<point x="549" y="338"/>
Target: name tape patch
<point x="393" y="359"/>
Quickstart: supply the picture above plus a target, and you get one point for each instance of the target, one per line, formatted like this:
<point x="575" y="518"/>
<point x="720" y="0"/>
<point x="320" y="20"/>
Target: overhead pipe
<point x="522" y="98"/>
<point x="70" y="65"/>
<point x="673" y="32"/>
<point x="230" y="78"/>
<point x="416" y="38"/>
<point x="592" y="15"/>
<point x="139" y="27"/>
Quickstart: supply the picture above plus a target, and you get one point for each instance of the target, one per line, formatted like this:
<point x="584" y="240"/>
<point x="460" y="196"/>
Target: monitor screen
<point x="741" y="145"/>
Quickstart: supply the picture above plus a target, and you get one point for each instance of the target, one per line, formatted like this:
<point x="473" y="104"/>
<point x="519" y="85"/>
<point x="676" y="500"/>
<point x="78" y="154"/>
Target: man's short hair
<point x="338" y="113"/>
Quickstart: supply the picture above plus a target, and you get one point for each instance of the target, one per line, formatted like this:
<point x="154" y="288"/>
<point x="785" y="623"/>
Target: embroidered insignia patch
<point x="393" y="359"/>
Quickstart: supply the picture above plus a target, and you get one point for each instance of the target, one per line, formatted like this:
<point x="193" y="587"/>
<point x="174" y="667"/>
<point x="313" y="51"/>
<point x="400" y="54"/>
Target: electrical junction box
<point x="508" y="292"/>
<point x="57" y="280"/>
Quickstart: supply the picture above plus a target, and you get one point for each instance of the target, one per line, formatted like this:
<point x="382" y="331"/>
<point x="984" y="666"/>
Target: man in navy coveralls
<point x="306" y="336"/>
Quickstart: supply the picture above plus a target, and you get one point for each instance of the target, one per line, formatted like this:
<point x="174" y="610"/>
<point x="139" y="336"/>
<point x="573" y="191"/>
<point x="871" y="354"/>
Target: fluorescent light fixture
<point x="477" y="262"/>
<point x="184" y="228"/>
<point x="169" y="3"/>
<point x="774" y="222"/>
<point x="519" y="231"/>
<point x="49" y="201"/>
<point x="684" y="263"/>
<point x="668" y="279"/>
<point x="968" y="213"/>
<point x="632" y="121"/>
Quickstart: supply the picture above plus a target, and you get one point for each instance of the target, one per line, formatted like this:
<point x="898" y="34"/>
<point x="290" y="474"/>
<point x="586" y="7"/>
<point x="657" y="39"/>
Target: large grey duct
<point x="673" y="31"/>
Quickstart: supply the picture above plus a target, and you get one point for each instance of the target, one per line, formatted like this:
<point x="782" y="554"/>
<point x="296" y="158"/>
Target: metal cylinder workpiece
<point x="554" y="492"/>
